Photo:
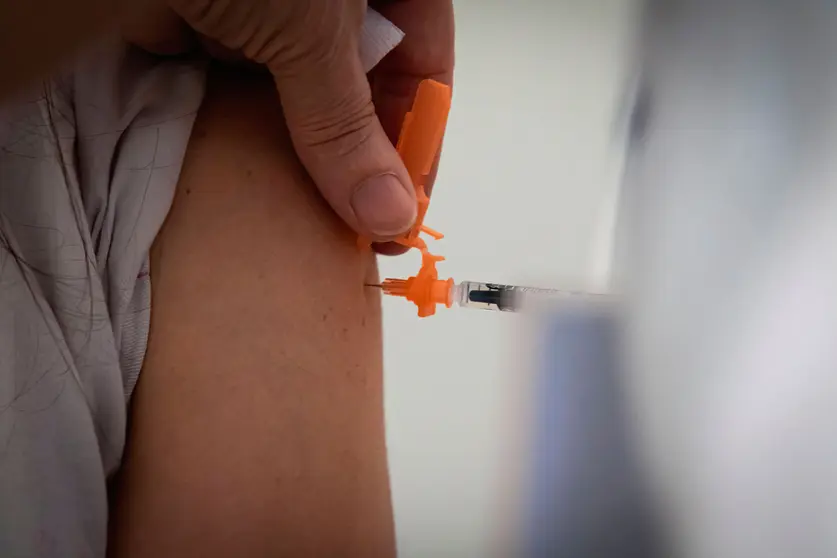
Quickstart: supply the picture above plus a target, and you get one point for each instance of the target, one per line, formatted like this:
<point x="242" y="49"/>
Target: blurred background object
<point x="525" y="195"/>
<point x="583" y="493"/>
<point x="729" y="260"/>
<point x="725" y="258"/>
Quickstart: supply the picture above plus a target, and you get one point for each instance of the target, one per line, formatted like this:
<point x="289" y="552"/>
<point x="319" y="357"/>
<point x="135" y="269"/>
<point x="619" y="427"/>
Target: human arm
<point x="257" y="425"/>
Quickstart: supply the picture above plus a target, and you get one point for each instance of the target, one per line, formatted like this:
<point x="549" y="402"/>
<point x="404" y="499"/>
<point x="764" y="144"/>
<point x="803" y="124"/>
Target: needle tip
<point x="376" y="285"/>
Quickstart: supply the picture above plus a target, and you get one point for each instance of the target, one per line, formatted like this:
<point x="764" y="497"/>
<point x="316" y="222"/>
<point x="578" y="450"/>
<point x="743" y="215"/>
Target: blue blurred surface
<point x="585" y="494"/>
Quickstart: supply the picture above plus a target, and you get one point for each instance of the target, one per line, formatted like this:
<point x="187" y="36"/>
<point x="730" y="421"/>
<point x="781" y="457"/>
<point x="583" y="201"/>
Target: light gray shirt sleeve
<point x="89" y="161"/>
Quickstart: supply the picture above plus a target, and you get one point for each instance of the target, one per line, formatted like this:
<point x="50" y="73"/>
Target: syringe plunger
<point x="513" y="298"/>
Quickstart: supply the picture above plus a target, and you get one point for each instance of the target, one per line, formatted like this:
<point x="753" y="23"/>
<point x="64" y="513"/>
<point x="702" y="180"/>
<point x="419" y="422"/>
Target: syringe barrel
<point x="513" y="298"/>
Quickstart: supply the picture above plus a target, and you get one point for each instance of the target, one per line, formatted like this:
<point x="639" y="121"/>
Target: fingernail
<point x="383" y="206"/>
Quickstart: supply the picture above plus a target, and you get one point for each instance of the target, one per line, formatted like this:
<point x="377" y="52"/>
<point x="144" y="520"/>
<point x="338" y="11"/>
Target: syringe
<point x="485" y="296"/>
<point x="418" y="145"/>
<point x="512" y="298"/>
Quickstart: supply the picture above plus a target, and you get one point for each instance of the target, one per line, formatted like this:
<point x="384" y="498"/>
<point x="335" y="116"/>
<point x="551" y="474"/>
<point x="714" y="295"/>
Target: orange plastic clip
<point x="418" y="145"/>
<point x="425" y="290"/>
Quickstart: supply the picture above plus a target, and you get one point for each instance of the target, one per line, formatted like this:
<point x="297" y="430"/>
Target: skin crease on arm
<point x="257" y="425"/>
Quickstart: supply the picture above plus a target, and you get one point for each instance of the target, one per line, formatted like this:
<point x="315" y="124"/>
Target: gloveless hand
<point x="311" y="49"/>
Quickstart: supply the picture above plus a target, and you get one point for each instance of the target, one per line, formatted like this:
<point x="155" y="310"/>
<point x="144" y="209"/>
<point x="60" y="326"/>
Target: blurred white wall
<point x="524" y="193"/>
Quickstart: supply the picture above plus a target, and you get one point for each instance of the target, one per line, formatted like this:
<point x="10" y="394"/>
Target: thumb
<point x="337" y="136"/>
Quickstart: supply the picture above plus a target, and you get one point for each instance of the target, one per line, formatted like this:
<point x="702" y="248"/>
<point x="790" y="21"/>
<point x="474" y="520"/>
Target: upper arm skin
<point x="257" y="425"/>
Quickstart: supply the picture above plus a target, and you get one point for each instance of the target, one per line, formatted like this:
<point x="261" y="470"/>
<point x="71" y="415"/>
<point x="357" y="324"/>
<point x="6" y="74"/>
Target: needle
<point x="377" y="286"/>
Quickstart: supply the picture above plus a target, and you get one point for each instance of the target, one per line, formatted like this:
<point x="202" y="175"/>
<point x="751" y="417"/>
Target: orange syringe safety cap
<point x="425" y="290"/>
<point x="418" y="145"/>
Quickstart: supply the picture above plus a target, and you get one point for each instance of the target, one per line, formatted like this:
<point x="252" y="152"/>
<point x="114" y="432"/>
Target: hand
<point x="310" y="47"/>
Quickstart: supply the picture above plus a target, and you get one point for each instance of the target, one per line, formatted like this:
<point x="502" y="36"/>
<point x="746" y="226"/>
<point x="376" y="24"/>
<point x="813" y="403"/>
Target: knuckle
<point x="293" y="59"/>
<point x="315" y="33"/>
<point x="229" y="22"/>
<point x="277" y="34"/>
<point x="203" y="15"/>
<point x="306" y="49"/>
<point x="340" y="128"/>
